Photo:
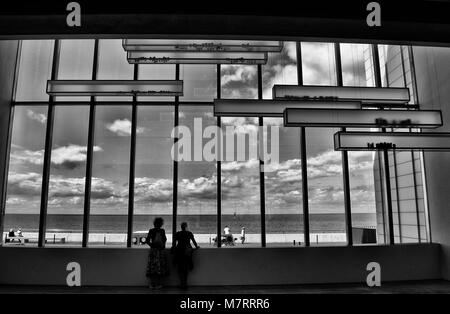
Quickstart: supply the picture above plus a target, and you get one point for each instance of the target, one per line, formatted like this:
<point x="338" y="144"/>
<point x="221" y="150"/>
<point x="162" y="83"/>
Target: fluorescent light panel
<point x="197" y="58"/>
<point x="271" y="108"/>
<point x="114" y="88"/>
<point x="166" y="45"/>
<point x="362" y="118"/>
<point x="366" y="95"/>
<point x="363" y="141"/>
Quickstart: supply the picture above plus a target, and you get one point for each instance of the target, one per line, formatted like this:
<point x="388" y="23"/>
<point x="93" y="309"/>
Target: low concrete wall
<point x="227" y="266"/>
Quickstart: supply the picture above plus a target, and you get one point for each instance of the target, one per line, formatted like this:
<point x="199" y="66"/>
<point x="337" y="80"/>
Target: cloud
<point x="69" y="156"/>
<point x="235" y="166"/>
<point x="122" y="127"/>
<point x="39" y="117"/>
<point x="239" y="81"/>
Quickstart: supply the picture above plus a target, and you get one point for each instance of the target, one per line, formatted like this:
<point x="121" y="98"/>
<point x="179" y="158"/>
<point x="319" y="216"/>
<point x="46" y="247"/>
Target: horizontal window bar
<point x="114" y="88"/>
<point x="197" y="58"/>
<point x="158" y="45"/>
<point x="364" y="94"/>
<point x="357" y="118"/>
<point x="363" y="141"/>
<point x="271" y="108"/>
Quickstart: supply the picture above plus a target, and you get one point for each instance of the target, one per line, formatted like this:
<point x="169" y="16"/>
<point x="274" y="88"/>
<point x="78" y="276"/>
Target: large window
<point x="197" y="178"/>
<point x="110" y="176"/>
<point x="154" y="169"/>
<point x="247" y="186"/>
<point x="25" y="171"/>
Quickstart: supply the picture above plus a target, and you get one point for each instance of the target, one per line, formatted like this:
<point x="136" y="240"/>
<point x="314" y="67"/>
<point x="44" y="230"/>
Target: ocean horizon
<point x="202" y="224"/>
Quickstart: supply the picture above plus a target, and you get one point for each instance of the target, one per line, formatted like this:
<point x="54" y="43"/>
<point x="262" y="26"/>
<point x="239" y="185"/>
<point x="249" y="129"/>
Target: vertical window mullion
<point x="48" y="152"/>
<point x="175" y="164"/>
<point x="219" y="165"/>
<point x="345" y="168"/>
<point x="262" y="202"/>
<point x="132" y="164"/>
<point x="304" y="163"/>
<point x="89" y="155"/>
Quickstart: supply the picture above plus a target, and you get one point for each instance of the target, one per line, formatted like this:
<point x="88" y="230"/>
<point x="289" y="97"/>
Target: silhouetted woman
<point x="157" y="260"/>
<point x="183" y="253"/>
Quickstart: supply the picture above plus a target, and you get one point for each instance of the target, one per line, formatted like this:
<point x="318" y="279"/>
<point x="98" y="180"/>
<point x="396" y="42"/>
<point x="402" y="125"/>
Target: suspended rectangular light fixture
<point x="271" y="108"/>
<point x="392" y="95"/>
<point x="362" y="118"/>
<point x="166" y="45"/>
<point x="363" y="141"/>
<point x="197" y="58"/>
<point x="114" y="88"/>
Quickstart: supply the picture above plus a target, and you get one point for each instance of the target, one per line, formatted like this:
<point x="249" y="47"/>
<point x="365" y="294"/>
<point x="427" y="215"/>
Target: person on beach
<point x="243" y="235"/>
<point x="157" y="266"/>
<point x="183" y="253"/>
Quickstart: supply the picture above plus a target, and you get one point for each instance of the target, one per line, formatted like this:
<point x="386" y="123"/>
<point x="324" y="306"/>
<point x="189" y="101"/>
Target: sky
<point x="154" y="167"/>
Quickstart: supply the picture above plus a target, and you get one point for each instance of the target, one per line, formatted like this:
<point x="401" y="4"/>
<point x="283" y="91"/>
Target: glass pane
<point x="318" y="64"/>
<point x="113" y="65"/>
<point x="364" y="172"/>
<point x="75" y="63"/>
<point x="240" y="183"/>
<point x="197" y="176"/>
<point x="391" y="66"/>
<point x="283" y="182"/>
<point x="239" y="81"/>
<point x="325" y="188"/>
<point x="110" y="176"/>
<point x="281" y="68"/>
<point x="200" y="82"/>
<point x="23" y="197"/>
<point x="67" y="175"/>
<point x="156" y="72"/>
<point x="154" y="169"/>
<point x="35" y="69"/>
<point x="357" y="65"/>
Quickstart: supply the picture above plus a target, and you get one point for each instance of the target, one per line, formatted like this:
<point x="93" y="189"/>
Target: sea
<point x="199" y="224"/>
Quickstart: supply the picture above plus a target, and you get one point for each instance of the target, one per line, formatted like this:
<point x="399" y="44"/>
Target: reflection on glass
<point x="24" y="183"/>
<point x="357" y="65"/>
<point x="197" y="179"/>
<point x="35" y="68"/>
<point x="67" y="175"/>
<point x="153" y="190"/>
<point x="110" y="176"/>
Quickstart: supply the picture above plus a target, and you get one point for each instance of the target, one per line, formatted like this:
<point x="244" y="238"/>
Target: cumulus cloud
<point x="122" y="127"/>
<point x="239" y="81"/>
<point x="39" y="117"/>
<point x="69" y="156"/>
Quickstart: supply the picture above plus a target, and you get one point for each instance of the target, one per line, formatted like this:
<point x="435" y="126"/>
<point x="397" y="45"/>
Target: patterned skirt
<point x="157" y="263"/>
